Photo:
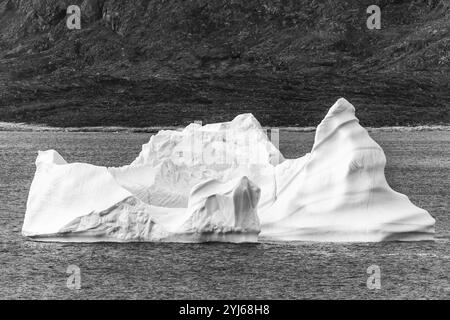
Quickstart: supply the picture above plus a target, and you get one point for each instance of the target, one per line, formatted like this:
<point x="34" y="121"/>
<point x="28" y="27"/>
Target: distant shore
<point x="23" y="127"/>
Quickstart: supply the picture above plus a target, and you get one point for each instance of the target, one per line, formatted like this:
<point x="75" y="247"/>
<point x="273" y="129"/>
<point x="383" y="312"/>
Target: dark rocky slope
<point x="168" y="62"/>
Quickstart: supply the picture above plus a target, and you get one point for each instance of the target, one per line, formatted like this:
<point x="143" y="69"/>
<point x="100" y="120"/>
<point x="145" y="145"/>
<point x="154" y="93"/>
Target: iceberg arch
<point x="228" y="182"/>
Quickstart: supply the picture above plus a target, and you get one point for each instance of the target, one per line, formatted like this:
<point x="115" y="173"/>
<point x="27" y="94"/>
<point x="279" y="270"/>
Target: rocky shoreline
<point x="24" y="127"/>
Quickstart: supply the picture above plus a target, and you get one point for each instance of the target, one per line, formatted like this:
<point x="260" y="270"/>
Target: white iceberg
<point x="83" y="203"/>
<point x="228" y="182"/>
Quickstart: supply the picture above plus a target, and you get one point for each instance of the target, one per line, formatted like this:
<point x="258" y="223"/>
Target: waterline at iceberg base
<point x="228" y="182"/>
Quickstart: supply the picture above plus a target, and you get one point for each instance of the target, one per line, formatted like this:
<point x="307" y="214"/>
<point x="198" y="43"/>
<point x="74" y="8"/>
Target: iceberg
<point x="83" y="203"/>
<point x="228" y="182"/>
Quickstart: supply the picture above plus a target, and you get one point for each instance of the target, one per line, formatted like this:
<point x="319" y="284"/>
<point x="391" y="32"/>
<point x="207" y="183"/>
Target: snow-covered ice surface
<point x="228" y="182"/>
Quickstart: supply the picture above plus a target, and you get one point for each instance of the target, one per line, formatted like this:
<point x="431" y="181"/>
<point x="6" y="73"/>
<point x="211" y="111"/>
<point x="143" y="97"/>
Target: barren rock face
<point x="133" y="62"/>
<point x="171" y="192"/>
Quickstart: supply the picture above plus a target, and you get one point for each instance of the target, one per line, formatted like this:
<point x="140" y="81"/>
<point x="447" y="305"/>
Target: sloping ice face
<point x="228" y="182"/>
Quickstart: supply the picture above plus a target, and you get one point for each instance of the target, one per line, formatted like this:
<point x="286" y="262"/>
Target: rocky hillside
<point x="169" y="62"/>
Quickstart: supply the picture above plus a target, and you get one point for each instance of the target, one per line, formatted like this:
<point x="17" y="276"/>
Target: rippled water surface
<point x="418" y="165"/>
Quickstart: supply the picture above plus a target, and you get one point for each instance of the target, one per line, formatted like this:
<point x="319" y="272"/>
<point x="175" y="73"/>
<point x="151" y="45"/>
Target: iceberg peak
<point x="245" y="121"/>
<point x="340" y="114"/>
<point x="340" y="106"/>
<point x="49" y="157"/>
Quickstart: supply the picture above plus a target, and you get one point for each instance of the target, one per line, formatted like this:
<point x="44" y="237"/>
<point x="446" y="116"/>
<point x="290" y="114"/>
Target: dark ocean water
<point x="418" y="165"/>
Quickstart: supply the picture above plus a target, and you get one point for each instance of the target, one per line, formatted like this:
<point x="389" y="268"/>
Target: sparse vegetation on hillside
<point x="168" y="62"/>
